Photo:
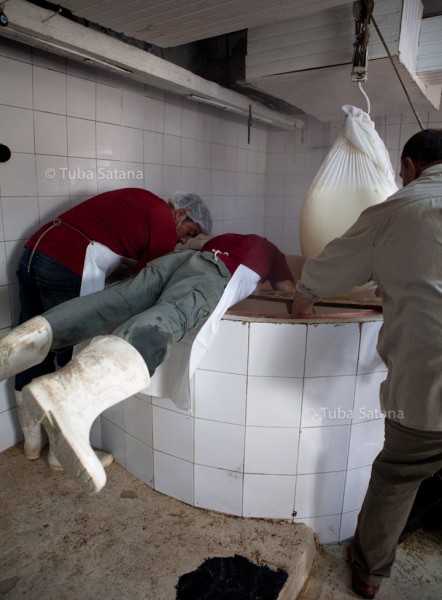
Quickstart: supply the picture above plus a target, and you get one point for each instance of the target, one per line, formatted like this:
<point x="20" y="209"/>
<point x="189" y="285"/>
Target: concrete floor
<point x="130" y="542"/>
<point x="416" y="575"/>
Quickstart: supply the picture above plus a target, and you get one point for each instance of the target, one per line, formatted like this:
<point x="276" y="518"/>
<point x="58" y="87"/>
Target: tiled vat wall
<point x="270" y="401"/>
<point x="57" y="115"/>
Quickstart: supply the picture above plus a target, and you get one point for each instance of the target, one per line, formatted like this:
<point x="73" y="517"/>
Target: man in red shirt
<point x="74" y="254"/>
<point x="140" y="318"/>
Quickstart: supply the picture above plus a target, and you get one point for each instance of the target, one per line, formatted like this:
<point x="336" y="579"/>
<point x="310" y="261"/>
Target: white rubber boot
<point x="35" y="436"/>
<point x="68" y="401"/>
<point x="105" y="458"/>
<point x="25" y="346"/>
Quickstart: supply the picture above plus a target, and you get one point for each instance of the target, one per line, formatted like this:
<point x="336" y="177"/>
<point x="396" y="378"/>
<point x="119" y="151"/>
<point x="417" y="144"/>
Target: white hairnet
<point x="195" y="207"/>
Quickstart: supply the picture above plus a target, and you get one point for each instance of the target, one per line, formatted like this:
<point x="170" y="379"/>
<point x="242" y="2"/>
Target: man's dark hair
<point x="424" y="147"/>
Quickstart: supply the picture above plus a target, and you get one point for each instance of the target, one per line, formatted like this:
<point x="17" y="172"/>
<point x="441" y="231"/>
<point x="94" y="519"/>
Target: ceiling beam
<point x="46" y="29"/>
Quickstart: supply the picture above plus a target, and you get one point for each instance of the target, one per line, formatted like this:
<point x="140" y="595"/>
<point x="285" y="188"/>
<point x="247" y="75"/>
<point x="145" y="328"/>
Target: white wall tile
<point x="274" y="401"/>
<point x="106" y="175"/>
<point x="172" y="179"/>
<point x="277" y="350"/>
<point x="203" y="182"/>
<point x="173" y="433"/>
<point x="112" y="438"/>
<point x="20" y="217"/>
<point x="133" y="110"/>
<point x="172" y="150"/>
<point x="355" y="488"/>
<point x="132" y="144"/>
<point x="230" y="158"/>
<point x="205" y="124"/>
<point x="369" y="359"/>
<point x="367" y="406"/>
<point x="332" y="349"/>
<point x="366" y="441"/>
<point x="188" y="178"/>
<point x="348" y="525"/>
<point x="219" y="131"/>
<point x="174" y="477"/>
<point x="203" y="155"/>
<point x="172" y="119"/>
<point x="81" y="138"/>
<point x="218" y="156"/>
<point x="268" y="496"/>
<point x="13" y="252"/>
<point x="10" y="430"/>
<point x="115" y="414"/>
<point x="326" y="528"/>
<point x="49" y="90"/>
<point x="228" y="350"/>
<point x="153" y="147"/>
<point x="132" y="174"/>
<point x="50" y="207"/>
<point x="108" y="141"/>
<point x="218" y="489"/>
<point x="219" y="445"/>
<point x="154" y="179"/>
<point x="232" y="133"/>
<point x="109" y="104"/>
<point x="271" y="450"/>
<point x="50" y="134"/>
<point x="217" y="182"/>
<point x="319" y="495"/>
<point x="188" y="152"/>
<point x="95" y="433"/>
<point x="17" y="128"/>
<point x="52" y="175"/>
<point x="190" y="120"/>
<point x="7" y="396"/>
<point x="328" y="400"/>
<point x="83" y="177"/>
<point x="139" y="459"/>
<point x="81" y="98"/>
<point x="18" y="176"/>
<point x="220" y="396"/>
<point x="314" y="449"/>
<point x="153" y="114"/>
<point x="16" y="88"/>
<point x="138" y="419"/>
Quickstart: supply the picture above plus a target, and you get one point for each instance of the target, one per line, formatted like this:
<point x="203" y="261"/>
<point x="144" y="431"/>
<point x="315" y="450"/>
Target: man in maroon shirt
<point x="73" y="255"/>
<point x="137" y="320"/>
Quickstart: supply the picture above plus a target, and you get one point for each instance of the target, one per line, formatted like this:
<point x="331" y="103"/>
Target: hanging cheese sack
<point x="356" y="174"/>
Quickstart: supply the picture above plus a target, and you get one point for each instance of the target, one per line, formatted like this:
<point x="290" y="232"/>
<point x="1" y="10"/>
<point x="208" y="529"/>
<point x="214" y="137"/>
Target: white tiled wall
<point x="75" y="131"/>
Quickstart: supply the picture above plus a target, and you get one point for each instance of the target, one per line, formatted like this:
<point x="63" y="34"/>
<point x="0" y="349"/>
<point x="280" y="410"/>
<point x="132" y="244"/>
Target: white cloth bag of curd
<point x="355" y="174"/>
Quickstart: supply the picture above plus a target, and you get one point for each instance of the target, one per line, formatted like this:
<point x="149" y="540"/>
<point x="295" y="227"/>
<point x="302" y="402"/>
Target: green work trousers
<point x="156" y="308"/>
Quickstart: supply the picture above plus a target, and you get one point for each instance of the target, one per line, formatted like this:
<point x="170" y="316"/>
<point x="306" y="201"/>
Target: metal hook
<point x="365" y="95"/>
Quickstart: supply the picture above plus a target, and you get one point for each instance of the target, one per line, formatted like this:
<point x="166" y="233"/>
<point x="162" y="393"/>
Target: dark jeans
<point x="47" y="284"/>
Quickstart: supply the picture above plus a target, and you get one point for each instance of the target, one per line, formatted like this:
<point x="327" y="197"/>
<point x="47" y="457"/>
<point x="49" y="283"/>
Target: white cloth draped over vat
<point x="172" y="379"/>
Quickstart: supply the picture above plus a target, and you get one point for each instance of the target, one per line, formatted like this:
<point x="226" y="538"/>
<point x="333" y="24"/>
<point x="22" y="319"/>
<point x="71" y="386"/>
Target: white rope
<point x="366" y="97"/>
